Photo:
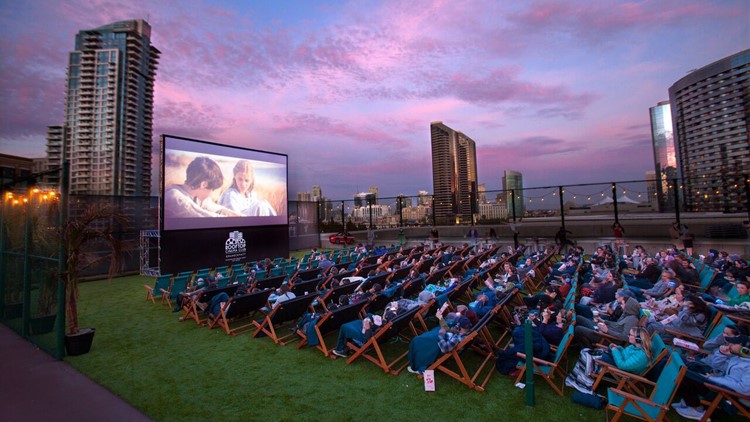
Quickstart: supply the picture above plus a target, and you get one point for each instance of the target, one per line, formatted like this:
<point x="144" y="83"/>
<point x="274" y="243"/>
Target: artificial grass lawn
<point x="175" y="370"/>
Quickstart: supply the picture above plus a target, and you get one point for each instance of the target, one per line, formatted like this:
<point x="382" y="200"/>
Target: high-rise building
<point x="482" y="199"/>
<point x="665" y="162"/>
<point x="424" y="198"/>
<point x="652" y="187"/>
<point x="109" y="111"/>
<point x="304" y="196"/>
<point x="374" y="190"/>
<point x="364" y="199"/>
<point x="317" y="193"/>
<point x="711" y="120"/>
<point x="513" y="185"/>
<point x="454" y="175"/>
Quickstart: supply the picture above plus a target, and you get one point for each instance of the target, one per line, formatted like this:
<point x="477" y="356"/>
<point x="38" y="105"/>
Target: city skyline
<point x="559" y="91"/>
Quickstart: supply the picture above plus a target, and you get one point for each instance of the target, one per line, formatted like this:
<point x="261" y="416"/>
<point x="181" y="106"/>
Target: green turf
<point x="175" y="370"/>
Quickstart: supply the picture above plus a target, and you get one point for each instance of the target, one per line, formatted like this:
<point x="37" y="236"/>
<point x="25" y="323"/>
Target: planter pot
<point x="80" y="343"/>
<point x="13" y="310"/>
<point x="42" y="324"/>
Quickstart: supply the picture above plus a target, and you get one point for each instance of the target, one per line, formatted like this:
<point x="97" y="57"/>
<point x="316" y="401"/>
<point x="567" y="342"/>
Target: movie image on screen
<point x="206" y="185"/>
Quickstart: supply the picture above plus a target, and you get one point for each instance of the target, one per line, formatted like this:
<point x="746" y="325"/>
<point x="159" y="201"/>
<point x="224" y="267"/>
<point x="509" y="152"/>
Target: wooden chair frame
<point x="391" y="330"/>
<point x="637" y="402"/>
<point x="238" y="308"/>
<point x="288" y="311"/>
<point x="330" y="322"/>
<point x="555" y="368"/>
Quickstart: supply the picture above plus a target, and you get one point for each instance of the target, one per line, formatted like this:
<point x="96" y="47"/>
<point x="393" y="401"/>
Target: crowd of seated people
<point x="618" y="302"/>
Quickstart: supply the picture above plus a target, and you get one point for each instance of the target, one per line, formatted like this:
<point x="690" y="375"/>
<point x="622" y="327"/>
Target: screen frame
<point x="196" y="146"/>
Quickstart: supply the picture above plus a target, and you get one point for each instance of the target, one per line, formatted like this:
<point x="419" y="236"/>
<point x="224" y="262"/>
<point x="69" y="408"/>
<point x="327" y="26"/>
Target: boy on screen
<point x="192" y="199"/>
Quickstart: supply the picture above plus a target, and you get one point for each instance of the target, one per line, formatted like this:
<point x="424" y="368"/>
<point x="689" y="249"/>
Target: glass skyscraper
<point x="513" y="184"/>
<point x="454" y="175"/>
<point x="109" y="110"/>
<point x="711" y="119"/>
<point x="665" y="162"/>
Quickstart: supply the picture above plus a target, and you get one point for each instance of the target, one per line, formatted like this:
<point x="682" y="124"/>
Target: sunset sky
<point x="558" y="90"/>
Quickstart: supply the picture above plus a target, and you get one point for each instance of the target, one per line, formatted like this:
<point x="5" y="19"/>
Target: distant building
<point x="107" y="135"/>
<point x="405" y="201"/>
<point x="15" y="171"/>
<point x="513" y="184"/>
<point x="454" y="175"/>
<point x="424" y="198"/>
<point x="711" y="122"/>
<point x="665" y="161"/>
<point x="374" y="190"/>
<point x="363" y="199"/>
<point x="317" y="192"/>
<point x="304" y="196"/>
<point x="482" y="191"/>
<point x="492" y="212"/>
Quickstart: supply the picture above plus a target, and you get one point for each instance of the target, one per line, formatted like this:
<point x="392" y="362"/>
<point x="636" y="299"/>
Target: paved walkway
<point x="36" y="387"/>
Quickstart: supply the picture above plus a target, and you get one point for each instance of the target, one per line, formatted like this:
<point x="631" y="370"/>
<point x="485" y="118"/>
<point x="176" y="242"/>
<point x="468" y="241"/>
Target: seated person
<point x="648" y="276"/>
<point x="360" y="330"/>
<point x="426" y="348"/>
<point x="634" y="358"/>
<point x="284" y="293"/>
<point x="587" y="330"/>
<point x="691" y="320"/>
<point x="667" y="306"/>
<point x="550" y="291"/>
<point x="730" y="334"/>
<point x="662" y="288"/>
<point x="728" y="367"/>
<point x="549" y="332"/>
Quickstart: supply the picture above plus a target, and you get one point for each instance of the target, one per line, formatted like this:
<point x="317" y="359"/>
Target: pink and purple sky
<point x="558" y="90"/>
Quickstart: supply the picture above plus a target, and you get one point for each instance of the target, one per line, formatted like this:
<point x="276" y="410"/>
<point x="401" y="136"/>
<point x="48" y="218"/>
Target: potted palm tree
<point x="94" y="225"/>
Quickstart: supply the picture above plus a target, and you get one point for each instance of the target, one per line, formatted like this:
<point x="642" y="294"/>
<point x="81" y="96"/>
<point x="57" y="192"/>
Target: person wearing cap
<point x="728" y="367"/>
<point x="587" y="330"/>
<point x="425" y="348"/>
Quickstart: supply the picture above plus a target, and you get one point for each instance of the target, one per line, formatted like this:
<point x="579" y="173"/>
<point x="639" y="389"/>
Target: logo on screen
<point x="235" y="246"/>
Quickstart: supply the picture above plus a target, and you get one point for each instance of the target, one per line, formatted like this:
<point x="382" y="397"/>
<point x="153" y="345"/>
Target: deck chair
<point x="330" y="322"/>
<point x="412" y="288"/>
<point x="377" y="303"/>
<point x="333" y="295"/>
<point x="161" y="283"/>
<point x="299" y="288"/>
<point x="713" y="322"/>
<point x="393" y="330"/>
<point x="307" y="274"/>
<point x="179" y="285"/>
<point x="190" y="302"/>
<point x="723" y="394"/>
<point x="238" y="308"/>
<point x="614" y="375"/>
<point x="546" y="369"/>
<point x="655" y="407"/>
<point x="268" y="283"/>
<point x="290" y="310"/>
<point x="461" y="373"/>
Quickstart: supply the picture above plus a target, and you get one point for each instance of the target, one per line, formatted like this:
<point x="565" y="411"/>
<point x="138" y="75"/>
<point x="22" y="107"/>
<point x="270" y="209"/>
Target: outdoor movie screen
<point x="207" y="185"/>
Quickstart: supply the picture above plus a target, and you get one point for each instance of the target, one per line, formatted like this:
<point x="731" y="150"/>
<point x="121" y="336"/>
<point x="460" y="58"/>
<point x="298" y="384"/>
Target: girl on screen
<point x="241" y="198"/>
<point x="192" y="199"/>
